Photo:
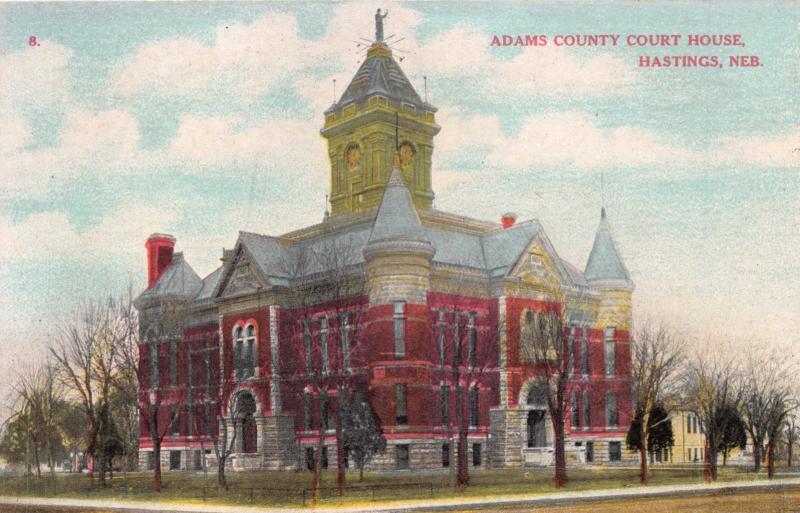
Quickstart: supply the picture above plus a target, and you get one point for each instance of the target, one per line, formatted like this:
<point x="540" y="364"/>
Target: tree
<point x="658" y="435"/>
<point x="84" y="357"/>
<point x="362" y="435"/>
<point x="733" y="432"/>
<point x="328" y="276"/>
<point x="544" y="343"/>
<point x="109" y="444"/>
<point x="765" y="402"/>
<point x="792" y="433"/>
<point x="657" y="356"/>
<point x="710" y="387"/>
<point x="135" y="364"/>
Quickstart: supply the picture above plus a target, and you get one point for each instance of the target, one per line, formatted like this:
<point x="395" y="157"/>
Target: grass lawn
<point x="287" y="488"/>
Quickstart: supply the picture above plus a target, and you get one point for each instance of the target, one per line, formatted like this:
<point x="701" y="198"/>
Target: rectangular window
<point x="346" y="342"/>
<point x="571" y="345"/>
<point x="324" y="457"/>
<point x="153" y="366"/>
<point x="173" y="363"/>
<point x="614" y="451"/>
<point x="585" y="355"/>
<point x="474" y="397"/>
<point x="589" y="452"/>
<point x="399" y="330"/>
<point x="401" y="412"/>
<point x="207" y="420"/>
<point x="444" y="403"/>
<point x="325" y="413"/>
<point x="476" y="455"/>
<point x="307" y="347"/>
<point x="174" y="425"/>
<point x="307" y="411"/>
<point x="401" y="454"/>
<point x="472" y="341"/>
<point x="445" y="455"/>
<point x="440" y="326"/>
<point x="612" y="418"/>
<point x="151" y="460"/>
<point x="587" y="409"/>
<point x="457" y="340"/>
<point x="310" y="458"/>
<point x="610" y="352"/>
<point x="323" y="344"/>
<point x="575" y="418"/>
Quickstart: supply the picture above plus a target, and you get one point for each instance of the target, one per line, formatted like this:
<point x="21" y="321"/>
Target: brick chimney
<point x="160" y="248"/>
<point x="508" y="219"/>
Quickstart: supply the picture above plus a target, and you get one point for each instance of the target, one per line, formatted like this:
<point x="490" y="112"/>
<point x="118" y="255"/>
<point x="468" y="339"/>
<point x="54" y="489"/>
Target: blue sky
<point x="203" y="119"/>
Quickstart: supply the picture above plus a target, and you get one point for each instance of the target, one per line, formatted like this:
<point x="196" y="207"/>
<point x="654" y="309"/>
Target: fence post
<point x="304" y="496"/>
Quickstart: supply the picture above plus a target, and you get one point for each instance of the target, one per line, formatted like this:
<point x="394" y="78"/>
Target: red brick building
<point x="413" y="309"/>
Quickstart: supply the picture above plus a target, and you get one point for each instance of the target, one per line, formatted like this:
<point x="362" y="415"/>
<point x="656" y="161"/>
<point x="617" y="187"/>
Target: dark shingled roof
<point x="381" y="75"/>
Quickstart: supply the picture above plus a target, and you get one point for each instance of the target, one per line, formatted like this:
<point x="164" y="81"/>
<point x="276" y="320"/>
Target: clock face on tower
<point x="406" y="154"/>
<point x="351" y="157"/>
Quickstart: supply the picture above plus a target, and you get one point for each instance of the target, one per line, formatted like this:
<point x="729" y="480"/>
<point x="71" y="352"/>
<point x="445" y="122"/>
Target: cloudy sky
<point x="203" y="119"/>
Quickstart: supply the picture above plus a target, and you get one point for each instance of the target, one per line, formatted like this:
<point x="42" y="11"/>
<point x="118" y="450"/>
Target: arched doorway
<point x="246" y="423"/>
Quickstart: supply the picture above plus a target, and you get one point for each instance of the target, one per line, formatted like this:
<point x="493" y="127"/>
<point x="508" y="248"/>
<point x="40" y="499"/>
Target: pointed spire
<point x="397" y="218"/>
<point x="605" y="262"/>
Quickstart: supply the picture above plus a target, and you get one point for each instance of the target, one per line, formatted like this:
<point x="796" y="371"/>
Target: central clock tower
<point x="380" y="115"/>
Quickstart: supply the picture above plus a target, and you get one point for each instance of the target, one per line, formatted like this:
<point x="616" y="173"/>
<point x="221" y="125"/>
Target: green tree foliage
<point x="733" y="431"/>
<point x="363" y="436"/>
<point x="659" y="431"/>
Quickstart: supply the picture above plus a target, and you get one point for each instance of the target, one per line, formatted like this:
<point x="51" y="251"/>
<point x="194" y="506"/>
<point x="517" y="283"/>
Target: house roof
<point x="397" y="218"/>
<point x="381" y="75"/>
<point x="605" y="262"/>
<point x="178" y="281"/>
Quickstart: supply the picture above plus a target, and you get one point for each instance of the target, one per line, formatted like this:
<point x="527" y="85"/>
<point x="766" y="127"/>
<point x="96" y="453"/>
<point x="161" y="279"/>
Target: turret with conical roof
<point x="380" y="113"/>
<point x="398" y="254"/>
<point x="606" y="273"/>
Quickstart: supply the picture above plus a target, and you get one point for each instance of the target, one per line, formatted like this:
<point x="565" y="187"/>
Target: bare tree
<point x="137" y="377"/>
<point x="84" y="354"/>
<point x="327" y="275"/>
<point x="791" y="432"/>
<point x="657" y="356"/>
<point x="543" y="341"/>
<point x="765" y="397"/>
<point x="710" y="385"/>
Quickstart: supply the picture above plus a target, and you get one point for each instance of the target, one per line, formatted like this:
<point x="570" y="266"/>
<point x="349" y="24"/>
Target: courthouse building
<point x="416" y="310"/>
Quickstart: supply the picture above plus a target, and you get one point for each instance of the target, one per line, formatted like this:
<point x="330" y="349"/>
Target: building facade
<point x="424" y="314"/>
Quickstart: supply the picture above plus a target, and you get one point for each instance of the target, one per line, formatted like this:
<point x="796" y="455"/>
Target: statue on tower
<point x="379" y="25"/>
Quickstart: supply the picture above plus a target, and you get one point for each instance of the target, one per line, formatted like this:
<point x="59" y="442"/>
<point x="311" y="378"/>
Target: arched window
<point x="238" y="349"/>
<point x="249" y="359"/>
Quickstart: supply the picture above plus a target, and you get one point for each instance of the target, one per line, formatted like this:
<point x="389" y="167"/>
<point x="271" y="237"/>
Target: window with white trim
<point x="399" y="329"/>
<point x="323" y="344"/>
<point x="309" y="357"/>
<point x="440" y="326"/>
<point x="238" y="351"/>
<point x="249" y="358"/>
<point x="472" y="340"/>
<point x="610" y="352"/>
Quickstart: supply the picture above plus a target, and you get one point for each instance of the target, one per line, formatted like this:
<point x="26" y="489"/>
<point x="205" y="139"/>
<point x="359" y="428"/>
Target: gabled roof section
<point x="209" y="284"/>
<point x="381" y="75"/>
<point x="502" y="248"/>
<point x="397" y="218"/>
<point x="605" y="262"/>
<point x="178" y="281"/>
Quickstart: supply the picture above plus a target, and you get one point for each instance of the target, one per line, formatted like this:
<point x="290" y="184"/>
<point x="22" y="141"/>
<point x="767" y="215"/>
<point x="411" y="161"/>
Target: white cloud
<point x="757" y="149"/>
<point x="570" y="138"/>
<point x="35" y="79"/>
<point x="244" y="60"/>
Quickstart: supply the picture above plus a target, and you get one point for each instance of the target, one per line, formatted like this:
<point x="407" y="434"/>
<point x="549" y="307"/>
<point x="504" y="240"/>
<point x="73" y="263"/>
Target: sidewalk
<point x="546" y="499"/>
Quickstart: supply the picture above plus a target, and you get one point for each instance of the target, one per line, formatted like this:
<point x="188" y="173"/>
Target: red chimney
<point x="159" y="255"/>
<point x="508" y="219"/>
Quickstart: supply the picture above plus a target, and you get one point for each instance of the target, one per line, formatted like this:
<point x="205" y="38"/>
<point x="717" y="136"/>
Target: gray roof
<point x="381" y="75"/>
<point x="605" y="262"/>
<point x="397" y="218"/>
<point x="503" y="247"/>
<point x="178" y="280"/>
<point x="209" y="284"/>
